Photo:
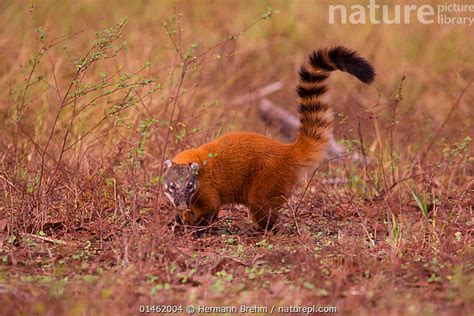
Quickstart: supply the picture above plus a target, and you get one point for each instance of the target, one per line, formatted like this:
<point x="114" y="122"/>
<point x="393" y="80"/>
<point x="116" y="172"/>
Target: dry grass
<point x="87" y="119"/>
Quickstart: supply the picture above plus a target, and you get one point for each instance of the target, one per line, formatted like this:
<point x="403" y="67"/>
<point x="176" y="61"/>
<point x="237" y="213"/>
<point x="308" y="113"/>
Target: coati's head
<point x="180" y="183"/>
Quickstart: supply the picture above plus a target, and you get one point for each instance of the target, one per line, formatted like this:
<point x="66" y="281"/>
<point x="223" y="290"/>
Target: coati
<point x="255" y="170"/>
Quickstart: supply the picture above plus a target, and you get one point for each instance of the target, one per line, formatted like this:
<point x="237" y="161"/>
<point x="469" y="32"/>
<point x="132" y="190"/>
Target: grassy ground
<point x="91" y="104"/>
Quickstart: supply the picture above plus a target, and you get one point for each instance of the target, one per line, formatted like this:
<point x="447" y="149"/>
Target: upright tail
<point x="315" y="115"/>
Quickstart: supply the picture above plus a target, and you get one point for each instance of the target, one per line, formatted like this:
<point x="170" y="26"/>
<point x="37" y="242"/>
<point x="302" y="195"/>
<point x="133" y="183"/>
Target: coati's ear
<point x="195" y="167"/>
<point x="168" y="163"/>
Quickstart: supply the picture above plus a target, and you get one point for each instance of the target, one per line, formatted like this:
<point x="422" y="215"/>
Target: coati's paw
<point x="176" y="225"/>
<point x="177" y="220"/>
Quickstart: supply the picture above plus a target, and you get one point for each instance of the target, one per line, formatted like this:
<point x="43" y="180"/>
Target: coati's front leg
<point x="204" y="209"/>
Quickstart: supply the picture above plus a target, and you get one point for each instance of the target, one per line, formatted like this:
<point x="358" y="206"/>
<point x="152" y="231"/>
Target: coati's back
<point x="255" y="170"/>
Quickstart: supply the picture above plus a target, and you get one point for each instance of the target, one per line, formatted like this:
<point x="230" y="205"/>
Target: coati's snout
<point x="181" y="183"/>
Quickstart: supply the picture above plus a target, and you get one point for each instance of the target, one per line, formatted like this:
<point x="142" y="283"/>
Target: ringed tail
<point x="315" y="115"/>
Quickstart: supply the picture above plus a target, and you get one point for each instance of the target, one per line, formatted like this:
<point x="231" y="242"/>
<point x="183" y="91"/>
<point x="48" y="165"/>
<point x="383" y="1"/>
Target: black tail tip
<point x="350" y="61"/>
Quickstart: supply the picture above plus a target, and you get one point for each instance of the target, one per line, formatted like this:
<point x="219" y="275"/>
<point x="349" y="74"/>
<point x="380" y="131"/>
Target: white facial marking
<point x="170" y="198"/>
<point x="171" y="187"/>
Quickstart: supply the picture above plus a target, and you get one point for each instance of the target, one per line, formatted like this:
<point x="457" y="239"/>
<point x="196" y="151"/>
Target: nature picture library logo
<point x="374" y="12"/>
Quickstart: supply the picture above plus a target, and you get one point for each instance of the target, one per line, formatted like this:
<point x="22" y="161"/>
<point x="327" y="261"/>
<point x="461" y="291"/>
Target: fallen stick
<point x="276" y="116"/>
<point x="258" y="94"/>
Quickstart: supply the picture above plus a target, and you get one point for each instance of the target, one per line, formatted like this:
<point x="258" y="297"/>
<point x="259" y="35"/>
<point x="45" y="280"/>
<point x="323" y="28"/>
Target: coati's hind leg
<point x="264" y="210"/>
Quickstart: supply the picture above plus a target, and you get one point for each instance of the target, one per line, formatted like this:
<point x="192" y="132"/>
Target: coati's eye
<point x="171" y="187"/>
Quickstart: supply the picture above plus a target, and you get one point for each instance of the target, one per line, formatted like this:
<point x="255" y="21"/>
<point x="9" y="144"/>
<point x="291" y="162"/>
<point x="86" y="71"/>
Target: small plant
<point x="395" y="229"/>
<point x="264" y="243"/>
<point x="421" y="202"/>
